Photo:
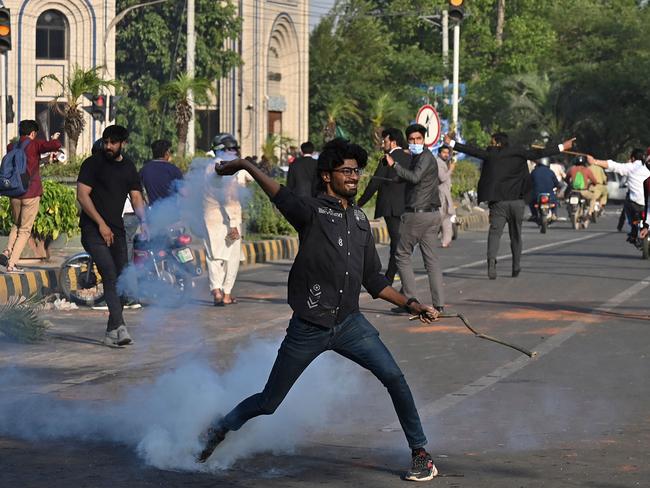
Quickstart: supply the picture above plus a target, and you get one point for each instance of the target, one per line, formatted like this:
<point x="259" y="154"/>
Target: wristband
<point x="411" y="300"/>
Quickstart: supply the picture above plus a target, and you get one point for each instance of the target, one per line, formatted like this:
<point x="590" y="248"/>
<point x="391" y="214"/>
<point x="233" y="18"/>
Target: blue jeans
<point x="356" y="339"/>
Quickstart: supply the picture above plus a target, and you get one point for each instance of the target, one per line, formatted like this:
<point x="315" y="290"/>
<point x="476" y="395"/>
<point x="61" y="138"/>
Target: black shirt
<point x="111" y="181"/>
<point x="160" y="178"/>
<point x="302" y="178"/>
<point x="336" y="256"/>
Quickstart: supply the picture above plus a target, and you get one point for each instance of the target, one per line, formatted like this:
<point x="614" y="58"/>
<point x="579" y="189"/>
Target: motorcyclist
<point x="544" y="181"/>
<point x="580" y="179"/>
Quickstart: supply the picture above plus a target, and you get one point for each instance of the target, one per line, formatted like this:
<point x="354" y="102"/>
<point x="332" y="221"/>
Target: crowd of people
<point x="337" y="254"/>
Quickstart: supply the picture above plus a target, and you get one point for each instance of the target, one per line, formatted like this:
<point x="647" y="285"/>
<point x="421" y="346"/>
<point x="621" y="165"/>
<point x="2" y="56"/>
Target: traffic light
<point x="5" y="30"/>
<point x="9" y="112"/>
<point x="98" y="108"/>
<point x="112" y="106"/>
<point x="456" y="10"/>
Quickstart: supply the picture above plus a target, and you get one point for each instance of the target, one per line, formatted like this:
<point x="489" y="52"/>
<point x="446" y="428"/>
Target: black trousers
<point x="392" y="224"/>
<point x="110" y="262"/>
<point x="512" y="213"/>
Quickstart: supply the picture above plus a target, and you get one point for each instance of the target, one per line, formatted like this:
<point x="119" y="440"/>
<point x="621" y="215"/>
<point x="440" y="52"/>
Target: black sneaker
<point x="422" y="468"/>
<point x="211" y="438"/>
<point x="4" y="260"/>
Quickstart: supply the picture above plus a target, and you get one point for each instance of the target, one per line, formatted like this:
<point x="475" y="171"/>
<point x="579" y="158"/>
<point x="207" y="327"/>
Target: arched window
<point x="51" y="35"/>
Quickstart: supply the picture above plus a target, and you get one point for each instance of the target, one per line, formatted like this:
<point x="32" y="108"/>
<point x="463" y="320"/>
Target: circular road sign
<point x="428" y="117"/>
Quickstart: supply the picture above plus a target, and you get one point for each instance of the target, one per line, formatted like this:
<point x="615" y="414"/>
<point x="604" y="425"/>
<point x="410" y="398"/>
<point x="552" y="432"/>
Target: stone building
<point x="269" y="93"/>
<point x="52" y="37"/>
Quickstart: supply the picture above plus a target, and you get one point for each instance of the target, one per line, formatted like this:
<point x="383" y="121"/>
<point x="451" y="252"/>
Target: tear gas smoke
<point x="162" y="420"/>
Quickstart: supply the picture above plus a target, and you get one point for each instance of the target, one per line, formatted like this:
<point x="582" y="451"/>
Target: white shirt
<point x="636" y="173"/>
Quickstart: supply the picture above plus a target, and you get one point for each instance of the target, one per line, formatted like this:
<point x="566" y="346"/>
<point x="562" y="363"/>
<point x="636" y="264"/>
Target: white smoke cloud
<point x="162" y="421"/>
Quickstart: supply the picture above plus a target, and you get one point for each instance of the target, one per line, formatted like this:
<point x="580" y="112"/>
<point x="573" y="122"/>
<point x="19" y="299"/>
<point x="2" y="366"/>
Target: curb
<point x="43" y="282"/>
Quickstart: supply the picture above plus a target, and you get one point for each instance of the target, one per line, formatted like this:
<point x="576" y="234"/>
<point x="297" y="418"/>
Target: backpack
<point x="14" y="178"/>
<point x="579" y="181"/>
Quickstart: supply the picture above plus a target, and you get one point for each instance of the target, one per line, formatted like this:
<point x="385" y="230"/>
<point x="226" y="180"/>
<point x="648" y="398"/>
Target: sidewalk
<point x="42" y="278"/>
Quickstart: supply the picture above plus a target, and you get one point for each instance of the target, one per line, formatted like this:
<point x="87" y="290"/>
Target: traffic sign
<point x="428" y="117"/>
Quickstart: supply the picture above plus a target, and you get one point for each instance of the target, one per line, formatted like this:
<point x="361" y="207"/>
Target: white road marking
<point x="438" y="406"/>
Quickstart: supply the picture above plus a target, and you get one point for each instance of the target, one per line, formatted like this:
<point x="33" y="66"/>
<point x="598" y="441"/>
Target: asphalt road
<point x="74" y="413"/>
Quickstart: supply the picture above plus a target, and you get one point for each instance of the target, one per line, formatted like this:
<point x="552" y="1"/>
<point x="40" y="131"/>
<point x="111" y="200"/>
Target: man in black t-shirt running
<point x="104" y="182"/>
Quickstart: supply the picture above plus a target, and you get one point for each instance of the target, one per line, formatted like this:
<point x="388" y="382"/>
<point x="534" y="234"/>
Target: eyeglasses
<point x="349" y="171"/>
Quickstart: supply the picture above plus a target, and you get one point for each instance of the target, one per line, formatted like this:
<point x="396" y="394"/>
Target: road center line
<point x="438" y="406"/>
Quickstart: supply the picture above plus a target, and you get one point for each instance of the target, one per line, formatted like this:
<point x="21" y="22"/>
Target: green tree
<point x="386" y="111"/>
<point x="160" y="34"/>
<point x="176" y="94"/>
<point x="73" y="87"/>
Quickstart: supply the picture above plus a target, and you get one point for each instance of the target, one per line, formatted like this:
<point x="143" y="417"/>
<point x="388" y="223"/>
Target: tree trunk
<point x="181" y="131"/>
<point x="329" y="132"/>
<point x="501" y="20"/>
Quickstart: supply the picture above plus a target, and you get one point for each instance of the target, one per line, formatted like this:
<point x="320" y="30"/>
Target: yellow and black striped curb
<point x="43" y="282"/>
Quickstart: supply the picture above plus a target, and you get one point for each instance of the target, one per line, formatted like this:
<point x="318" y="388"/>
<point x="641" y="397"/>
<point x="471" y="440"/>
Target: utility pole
<point x="191" y="48"/>
<point x="445" y="50"/>
<point x="454" y="116"/>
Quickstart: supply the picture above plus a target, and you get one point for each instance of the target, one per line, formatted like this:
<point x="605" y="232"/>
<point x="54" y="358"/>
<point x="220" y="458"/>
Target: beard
<point x="113" y="155"/>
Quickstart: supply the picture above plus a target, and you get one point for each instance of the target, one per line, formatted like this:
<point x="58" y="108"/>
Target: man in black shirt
<point x="390" y="192"/>
<point x="337" y="255"/>
<point x="302" y="179"/>
<point x="104" y="182"/>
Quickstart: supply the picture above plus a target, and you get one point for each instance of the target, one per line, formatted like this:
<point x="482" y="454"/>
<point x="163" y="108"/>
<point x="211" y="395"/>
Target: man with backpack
<point x="20" y="180"/>
<point x="580" y="179"/>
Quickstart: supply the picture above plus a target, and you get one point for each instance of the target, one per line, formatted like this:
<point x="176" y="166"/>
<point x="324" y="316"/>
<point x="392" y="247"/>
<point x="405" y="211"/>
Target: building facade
<point x="51" y="37"/>
<point x="269" y="93"/>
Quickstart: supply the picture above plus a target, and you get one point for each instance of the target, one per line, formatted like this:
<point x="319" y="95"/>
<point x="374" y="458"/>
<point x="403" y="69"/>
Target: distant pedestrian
<point x="421" y="219"/>
<point x="447" y="210"/>
<point x="105" y="181"/>
<point x="506" y="185"/>
<point x="24" y="208"/>
<point x="160" y="177"/>
<point x="390" y="192"/>
<point x="302" y="178"/>
<point x="222" y="214"/>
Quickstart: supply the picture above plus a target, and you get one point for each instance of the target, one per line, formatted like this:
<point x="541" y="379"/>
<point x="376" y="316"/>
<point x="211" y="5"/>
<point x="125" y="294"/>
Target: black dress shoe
<point x="515" y="272"/>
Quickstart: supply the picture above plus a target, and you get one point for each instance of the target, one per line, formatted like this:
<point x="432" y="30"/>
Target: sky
<point x="318" y="8"/>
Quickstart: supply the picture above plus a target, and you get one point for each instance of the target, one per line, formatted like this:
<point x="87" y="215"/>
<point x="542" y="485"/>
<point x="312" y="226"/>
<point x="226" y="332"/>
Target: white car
<point x="616" y="186"/>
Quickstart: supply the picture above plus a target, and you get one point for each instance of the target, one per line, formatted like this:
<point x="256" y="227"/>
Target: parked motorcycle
<point x="165" y="268"/>
<point x="578" y="208"/>
<point x="544" y="207"/>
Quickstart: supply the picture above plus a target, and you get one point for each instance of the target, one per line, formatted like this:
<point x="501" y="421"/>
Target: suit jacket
<point x="302" y="177"/>
<point x="504" y="174"/>
<point x="390" y="196"/>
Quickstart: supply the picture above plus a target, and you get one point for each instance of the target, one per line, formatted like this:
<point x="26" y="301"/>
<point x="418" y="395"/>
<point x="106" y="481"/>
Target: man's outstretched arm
<point x="268" y="184"/>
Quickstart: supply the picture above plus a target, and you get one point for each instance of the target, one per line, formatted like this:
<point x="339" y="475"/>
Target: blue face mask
<point x="416" y="148"/>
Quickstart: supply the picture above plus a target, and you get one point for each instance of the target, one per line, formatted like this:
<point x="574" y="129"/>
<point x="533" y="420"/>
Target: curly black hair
<point x="337" y="150"/>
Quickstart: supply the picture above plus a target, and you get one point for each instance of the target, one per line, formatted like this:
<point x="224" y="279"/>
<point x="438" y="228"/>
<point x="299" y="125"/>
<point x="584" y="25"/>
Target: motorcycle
<point x="544" y="207"/>
<point x="578" y="208"/>
<point x="165" y="268"/>
<point x="641" y="244"/>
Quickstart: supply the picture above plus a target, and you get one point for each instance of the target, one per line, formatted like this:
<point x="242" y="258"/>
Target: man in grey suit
<point x="390" y="192"/>
<point x="421" y="219"/>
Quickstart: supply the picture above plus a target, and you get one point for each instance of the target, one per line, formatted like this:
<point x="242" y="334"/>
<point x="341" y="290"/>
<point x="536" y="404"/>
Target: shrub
<point x="464" y="178"/>
<point x="263" y="218"/>
<point x="57" y="213"/>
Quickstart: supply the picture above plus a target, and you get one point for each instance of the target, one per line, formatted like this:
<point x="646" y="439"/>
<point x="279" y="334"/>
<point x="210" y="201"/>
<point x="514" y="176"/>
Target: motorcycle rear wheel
<point x="72" y="276"/>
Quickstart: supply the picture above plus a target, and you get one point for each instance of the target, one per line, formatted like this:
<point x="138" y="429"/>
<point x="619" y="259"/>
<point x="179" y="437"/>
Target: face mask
<point x="416" y="148"/>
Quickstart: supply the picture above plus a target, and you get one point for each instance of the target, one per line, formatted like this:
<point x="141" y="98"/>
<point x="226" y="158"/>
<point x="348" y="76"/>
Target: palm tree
<point x="537" y="105"/>
<point x="73" y="88"/>
<point x="179" y="93"/>
<point x="339" y="108"/>
<point x="385" y="111"/>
